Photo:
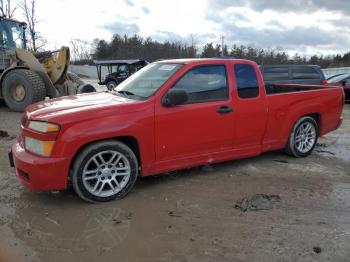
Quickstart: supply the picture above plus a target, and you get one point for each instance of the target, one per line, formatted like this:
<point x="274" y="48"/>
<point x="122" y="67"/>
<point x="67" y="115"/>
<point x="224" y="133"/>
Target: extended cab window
<point x="246" y="81"/>
<point x="205" y="83"/>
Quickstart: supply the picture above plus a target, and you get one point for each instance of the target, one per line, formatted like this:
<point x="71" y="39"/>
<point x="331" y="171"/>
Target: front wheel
<point x="303" y="137"/>
<point x="111" y="85"/>
<point x="104" y="171"/>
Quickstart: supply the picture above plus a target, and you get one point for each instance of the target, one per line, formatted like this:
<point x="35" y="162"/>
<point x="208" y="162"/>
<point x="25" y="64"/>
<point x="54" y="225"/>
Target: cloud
<point x="145" y="10"/>
<point x="129" y="2"/>
<point x="270" y="24"/>
<point x="122" y="28"/>
<point x="303" y="6"/>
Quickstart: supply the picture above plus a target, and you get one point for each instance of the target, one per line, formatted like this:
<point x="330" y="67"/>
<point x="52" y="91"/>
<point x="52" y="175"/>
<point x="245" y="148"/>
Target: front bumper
<point x="39" y="173"/>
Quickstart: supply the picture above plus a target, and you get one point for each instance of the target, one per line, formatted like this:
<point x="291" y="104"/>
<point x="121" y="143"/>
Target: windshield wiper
<point x="125" y="93"/>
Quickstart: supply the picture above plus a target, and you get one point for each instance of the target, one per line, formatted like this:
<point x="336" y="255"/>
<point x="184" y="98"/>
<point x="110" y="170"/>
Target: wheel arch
<point x="6" y="71"/>
<point x="130" y="141"/>
<point x="317" y="117"/>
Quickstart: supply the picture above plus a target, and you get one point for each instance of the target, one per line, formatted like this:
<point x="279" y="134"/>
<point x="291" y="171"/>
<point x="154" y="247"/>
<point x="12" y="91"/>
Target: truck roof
<point x="193" y="60"/>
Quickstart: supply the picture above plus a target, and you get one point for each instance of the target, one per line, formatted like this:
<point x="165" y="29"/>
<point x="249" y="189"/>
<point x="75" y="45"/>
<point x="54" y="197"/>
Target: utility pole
<point x="222" y="37"/>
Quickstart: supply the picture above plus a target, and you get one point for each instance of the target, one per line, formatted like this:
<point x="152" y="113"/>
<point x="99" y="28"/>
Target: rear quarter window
<point x="246" y="81"/>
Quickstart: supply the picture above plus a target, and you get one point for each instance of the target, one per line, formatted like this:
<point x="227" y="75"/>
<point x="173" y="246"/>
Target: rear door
<point x="204" y="124"/>
<point x="250" y="107"/>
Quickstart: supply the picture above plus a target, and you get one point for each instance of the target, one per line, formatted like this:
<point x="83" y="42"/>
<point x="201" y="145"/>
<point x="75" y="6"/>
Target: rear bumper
<point x="339" y="123"/>
<point x="39" y="173"/>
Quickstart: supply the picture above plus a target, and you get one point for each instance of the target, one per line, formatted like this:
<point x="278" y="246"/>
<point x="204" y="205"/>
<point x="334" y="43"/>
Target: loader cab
<point x="12" y="34"/>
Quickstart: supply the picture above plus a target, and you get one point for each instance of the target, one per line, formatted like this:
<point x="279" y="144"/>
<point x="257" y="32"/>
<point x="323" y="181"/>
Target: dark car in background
<point x="293" y="74"/>
<point x="118" y="71"/>
<point x="342" y="80"/>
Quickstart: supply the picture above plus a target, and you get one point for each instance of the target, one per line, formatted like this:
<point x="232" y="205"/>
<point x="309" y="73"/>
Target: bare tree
<point x="81" y="50"/>
<point x="6" y="10"/>
<point x="29" y="12"/>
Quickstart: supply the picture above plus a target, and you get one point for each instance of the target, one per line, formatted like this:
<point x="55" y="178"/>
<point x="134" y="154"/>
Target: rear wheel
<point x="104" y="171"/>
<point x="21" y="88"/>
<point x="303" y="137"/>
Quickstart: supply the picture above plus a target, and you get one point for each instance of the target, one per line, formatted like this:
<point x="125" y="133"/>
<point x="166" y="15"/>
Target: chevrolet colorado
<point x="170" y="115"/>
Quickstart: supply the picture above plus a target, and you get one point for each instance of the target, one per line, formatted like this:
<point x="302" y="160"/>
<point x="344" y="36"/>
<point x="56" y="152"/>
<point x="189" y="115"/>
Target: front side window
<point x="204" y="84"/>
<point x="11" y="35"/>
<point x="246" y="81"/>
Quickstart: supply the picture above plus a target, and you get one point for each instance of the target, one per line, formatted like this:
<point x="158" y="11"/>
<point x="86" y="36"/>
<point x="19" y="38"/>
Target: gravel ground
<point x="268" y="208"/>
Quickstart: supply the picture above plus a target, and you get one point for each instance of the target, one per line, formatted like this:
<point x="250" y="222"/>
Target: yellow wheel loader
<point x="26" y="77"/>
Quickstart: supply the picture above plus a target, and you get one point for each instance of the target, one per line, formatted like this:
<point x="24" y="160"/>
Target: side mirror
<point x="175" y="97"/>
<point x="344" y="83"/>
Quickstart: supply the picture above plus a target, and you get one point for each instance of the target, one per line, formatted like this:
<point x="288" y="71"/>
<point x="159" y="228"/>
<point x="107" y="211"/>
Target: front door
<point x="204" y="124"/>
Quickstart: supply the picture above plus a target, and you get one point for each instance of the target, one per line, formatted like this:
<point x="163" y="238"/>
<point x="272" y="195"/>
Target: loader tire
<point x="21" y="88"/>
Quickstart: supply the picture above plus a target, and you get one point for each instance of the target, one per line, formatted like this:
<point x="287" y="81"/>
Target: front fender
<point x="73" y="137"/>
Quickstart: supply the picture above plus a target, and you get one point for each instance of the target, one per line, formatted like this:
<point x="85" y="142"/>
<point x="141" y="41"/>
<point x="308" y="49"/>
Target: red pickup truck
<point x="170" y="115"/>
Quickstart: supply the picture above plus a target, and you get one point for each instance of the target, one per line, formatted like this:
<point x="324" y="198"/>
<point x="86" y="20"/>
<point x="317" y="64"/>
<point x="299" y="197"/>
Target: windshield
<point x="338" y="78"/>
<point x="11" y="35"/>
<point x="148" y="80"/>
<point x="122" y="69"/>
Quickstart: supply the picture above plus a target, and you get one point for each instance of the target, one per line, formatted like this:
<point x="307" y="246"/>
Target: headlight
<point x="43" y="127"/>
<point x="43" y="148"/>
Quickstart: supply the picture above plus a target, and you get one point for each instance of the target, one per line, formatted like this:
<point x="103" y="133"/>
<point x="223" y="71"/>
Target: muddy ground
<point x="268" y="208"/>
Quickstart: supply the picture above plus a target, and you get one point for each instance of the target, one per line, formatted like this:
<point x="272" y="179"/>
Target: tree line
<point x="137" y="47"/>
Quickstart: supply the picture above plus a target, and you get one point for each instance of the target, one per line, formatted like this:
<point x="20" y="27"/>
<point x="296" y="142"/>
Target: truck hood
<point x="78" y="105"/>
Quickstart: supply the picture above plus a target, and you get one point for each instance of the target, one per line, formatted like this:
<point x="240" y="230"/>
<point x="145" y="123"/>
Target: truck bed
<point x="288" y="88"/>
<point x="287" y="102"/>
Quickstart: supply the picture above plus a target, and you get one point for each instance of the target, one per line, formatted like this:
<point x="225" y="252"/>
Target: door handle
<point x="224" y="110"/>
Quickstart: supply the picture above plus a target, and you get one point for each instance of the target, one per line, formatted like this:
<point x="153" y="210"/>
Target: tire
<point x="303" y="137"/>
<point x="22" y="87"/>
<point x="93" y="173"/>
<point x="111" y="85"/>
<point x="86" y="88"/>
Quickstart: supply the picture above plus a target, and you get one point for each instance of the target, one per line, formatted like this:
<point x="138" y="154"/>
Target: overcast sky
<point x="305" y="26"/>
